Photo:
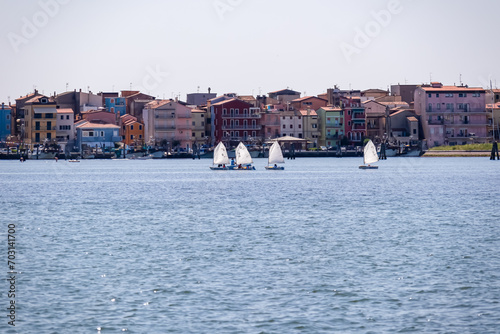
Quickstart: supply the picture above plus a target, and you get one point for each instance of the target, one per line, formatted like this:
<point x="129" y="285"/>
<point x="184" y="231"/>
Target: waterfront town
<point x="87" y="123"/>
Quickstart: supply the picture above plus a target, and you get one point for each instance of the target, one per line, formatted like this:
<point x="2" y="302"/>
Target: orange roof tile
<point x="453" y="88"/>
<point x="65" y="111"/>
<point x="311" y="112"/>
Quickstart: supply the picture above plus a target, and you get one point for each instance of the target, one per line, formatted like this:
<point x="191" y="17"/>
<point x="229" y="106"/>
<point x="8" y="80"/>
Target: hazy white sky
<point x="168" y="47"/>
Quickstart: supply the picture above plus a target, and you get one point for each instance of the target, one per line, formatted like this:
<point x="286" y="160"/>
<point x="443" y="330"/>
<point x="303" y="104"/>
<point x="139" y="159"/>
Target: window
<point x="37" y="116"/>
<point x="314" y="126"/>
<point x="449" y="106"/>
<point x="284" y="127"/>
<point x="462" y="94"/>
<point x="224" y="111"/>
<point x="112" y="109"/>
<point x="67" y="116"/>
<point x="476" y="94"/>
<point x="253" y="133"/>
<point x="140" y="127"/>
<point x="62" y="116"/>
<point x="193" y="135"/>
<point x="194" y="124"/>
<point x="430" y="106"/>
<point x="438" y="106"/>
<point x="300" y="126"/>
<point x="300" y="117"/>
<point x="8" y="127"/>
<point x="102" y="133"/>
<point x="132" y="127"/>
<point x="283" y="117"/>
<point x="437" y="94"/>
<point x="202" y="123"/>
<point x="291" y="117"/>
<point x="291" y="126"/>
<point x="414" y="131"/>
<point x="49" y="115"/>
<point x="448" y="95"/>
<point x="429" y="95"/>
<point x="236" y="111"/>
<point x="131" y="137"/>
<point x="140" y="136"/>
<point x="49" y="135"/>
<point x="112" y="100"/>
<point x="460" y="106"/>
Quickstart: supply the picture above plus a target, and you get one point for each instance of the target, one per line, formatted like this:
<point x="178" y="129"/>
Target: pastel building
<point x="168" y="120"/>
<point x="310" y="125"/>
<point x="5" y="122"/>
<point x="65" y="128"/>
<point x="90" y="135"/>
<point x="452" y="115"/>
<point x="40" y="115"/>
<point x="332" y="125"/>
<point x="132" y="131"/>
<point x="116" y="105"/>
<point x="199" y="122"/>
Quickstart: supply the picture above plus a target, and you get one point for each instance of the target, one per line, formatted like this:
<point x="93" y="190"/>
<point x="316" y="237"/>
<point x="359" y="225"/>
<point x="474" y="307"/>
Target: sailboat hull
<point x="219" y="168"/>
<point x="368" y="167"/>
<point x="275" y="168"/>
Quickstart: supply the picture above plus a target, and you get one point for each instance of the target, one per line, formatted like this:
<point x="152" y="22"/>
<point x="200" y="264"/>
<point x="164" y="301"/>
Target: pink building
<point x="168" y="120"/>
<point x="451" y="115"/>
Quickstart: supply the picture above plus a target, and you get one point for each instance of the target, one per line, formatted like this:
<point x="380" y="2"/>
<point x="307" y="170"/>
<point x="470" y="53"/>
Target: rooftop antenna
<point x="461" y="84"/>
<point x="88" y="88"/>
<point x="198" y="89"/>
<point x="8" y="99"/>
<point x="67" y="85"/>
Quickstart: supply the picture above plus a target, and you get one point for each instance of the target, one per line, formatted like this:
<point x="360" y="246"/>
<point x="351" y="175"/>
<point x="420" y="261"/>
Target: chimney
<point x="329" y="96"/>
<point x="209" y="89"/>
<point x="80" y="90"/>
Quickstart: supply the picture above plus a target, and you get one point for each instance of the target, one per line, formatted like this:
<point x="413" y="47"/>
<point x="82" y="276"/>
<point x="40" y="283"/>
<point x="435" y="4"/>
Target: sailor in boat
<point x="232" y="162"/>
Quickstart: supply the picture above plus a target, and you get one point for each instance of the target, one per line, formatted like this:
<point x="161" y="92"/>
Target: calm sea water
<point x="169" y="246"/>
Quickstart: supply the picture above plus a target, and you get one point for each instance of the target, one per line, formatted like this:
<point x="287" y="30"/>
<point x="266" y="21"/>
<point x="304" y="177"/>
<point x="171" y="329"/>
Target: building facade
<point x="169" y="122"/>
<point x="39" y="120"/>
<point x="452" y="115"/>
<point x="234" y="120"/>
<point x="5" y="122"/>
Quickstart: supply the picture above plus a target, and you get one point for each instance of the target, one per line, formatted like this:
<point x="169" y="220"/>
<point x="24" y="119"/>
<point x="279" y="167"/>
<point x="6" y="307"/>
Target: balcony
<point x="241" y="127"/>
<point x="333" y="125"/>
<point x="164" y="127"/>
<point x="44" y="128"/>
<point x="358" y="127"/>
<point x="184" y="126"/>
<point x="241" y="116"/>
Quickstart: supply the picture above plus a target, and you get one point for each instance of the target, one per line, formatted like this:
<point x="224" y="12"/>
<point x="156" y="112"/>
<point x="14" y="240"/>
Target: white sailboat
<point x="370" y="156"/>
<point x="220" y="158"/>
<point x="275" y="157"/>
<point x="243" y="157"/>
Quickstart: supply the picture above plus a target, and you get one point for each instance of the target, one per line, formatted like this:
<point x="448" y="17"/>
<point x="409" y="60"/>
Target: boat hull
<point x="368" y="167"/>
<point x="274" y="168"/>
<point x="219" y="168"/>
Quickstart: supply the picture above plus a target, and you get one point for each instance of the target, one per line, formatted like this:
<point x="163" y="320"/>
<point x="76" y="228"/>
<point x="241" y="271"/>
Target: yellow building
<point x="39" y="120"/>
<point x="200" y="129"/>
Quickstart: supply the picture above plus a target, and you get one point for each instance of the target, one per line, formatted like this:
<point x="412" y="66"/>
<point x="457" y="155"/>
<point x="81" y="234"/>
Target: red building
<point x="354" y="118"/>
<point x="234" y="120"/>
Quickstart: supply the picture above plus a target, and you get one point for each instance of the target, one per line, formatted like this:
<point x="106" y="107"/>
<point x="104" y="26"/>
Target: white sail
<point x="243" y="157"/>
<point x="275" y="154"/>
<point x="220" y="155"/>
<point x="370" y="153"/>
